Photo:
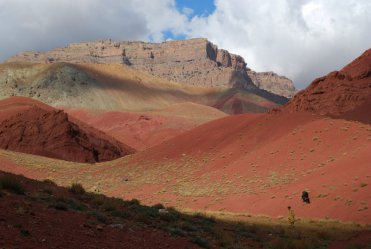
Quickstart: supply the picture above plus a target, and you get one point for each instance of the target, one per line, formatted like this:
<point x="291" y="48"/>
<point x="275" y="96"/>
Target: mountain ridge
<point x="195" y="62"/>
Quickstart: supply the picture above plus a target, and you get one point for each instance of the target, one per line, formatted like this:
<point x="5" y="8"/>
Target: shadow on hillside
<point x="202" y="230"/>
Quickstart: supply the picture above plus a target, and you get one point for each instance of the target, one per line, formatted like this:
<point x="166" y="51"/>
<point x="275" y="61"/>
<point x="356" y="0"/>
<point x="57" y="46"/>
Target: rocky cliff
<point x="345" y="93"/>
<point x="273" y="82"/>
<point x="194" y="61"/>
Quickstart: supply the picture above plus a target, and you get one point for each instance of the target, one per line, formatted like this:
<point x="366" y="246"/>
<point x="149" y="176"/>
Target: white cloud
<point x="301" y="39"/>
<point x="187" y="11"/>
<point x="46" y="24"/>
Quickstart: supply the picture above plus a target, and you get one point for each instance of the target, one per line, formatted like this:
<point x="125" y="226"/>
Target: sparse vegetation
<point x="203" y="229"/>
<point x="10" y="183"/>
<point x="77" y="189"/>
<point x="201" y="242"/>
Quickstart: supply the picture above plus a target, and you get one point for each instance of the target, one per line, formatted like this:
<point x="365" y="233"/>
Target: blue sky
<point x="199" y="7"/>
<point x="190" y="8"/>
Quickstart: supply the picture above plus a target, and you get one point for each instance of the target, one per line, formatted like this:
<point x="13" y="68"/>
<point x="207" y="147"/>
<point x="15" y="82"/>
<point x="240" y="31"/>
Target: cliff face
<point x="195" y="62"/>
<point x="273" y="82"/>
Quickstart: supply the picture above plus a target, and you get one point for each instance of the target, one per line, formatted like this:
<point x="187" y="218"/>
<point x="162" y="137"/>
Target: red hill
<point x="32" y="127"/>
<point x="345" y="93"/>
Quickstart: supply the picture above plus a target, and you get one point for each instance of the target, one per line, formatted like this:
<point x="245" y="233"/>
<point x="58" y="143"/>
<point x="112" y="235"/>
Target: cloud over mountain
<point x="301" y="39"/>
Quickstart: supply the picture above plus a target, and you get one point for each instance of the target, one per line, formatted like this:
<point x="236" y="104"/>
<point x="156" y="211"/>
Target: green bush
<point x="10" y="183"/>
<point x="77" y="189"/>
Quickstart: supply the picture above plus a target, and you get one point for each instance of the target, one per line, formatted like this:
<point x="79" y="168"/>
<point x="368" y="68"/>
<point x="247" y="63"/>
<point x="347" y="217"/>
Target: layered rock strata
<point x="195" y="62"/>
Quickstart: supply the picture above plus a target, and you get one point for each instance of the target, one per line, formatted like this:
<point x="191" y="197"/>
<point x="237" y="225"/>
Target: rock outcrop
<point x="32" y="127"/>
<point x="340" y="93"/>
<point x="195" y="61"/>
<point x="273" y="83"/>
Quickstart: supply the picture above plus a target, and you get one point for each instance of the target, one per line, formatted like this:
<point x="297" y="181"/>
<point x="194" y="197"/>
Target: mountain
<point x="32" y="127"/>
<point x="113" y="87"/>
<point x="250" y="163"/>
<point x="195" y="62"/>
<point x="345" y="93"/>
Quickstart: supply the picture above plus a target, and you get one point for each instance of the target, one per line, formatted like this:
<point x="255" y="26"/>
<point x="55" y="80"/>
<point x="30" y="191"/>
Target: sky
<point x="301" y="39"/>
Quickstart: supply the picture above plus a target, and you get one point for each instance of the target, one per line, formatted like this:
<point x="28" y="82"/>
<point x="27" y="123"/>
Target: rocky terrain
<point x="196" y="62"/>
<point x="340" y="93"/>
<point x="31" y="127"/>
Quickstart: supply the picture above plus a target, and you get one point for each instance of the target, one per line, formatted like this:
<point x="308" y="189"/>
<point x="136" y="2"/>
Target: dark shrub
<point x="158" y="206"/>
<point x="100" y="217"/>
<point x="120" y="214"/>
<point x="77" y="189"/>
<point x="50" y="182"/>
<point x="134" y="202"/>
<point x="60" y="206"/>
<point x="201" y="242"/>
<point x="10" y="183"/>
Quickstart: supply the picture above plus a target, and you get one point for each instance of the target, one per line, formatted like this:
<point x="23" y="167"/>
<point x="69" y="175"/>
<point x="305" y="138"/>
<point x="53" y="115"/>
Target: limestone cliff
<point x="273" y="82"/>
<point x="194" y="61"/>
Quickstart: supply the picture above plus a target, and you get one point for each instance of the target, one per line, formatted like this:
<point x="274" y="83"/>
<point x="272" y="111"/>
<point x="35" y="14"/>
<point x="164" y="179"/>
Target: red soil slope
<point x="139" y="131"/>
<point x="32" y="127"/>
<point x="146" y="129"/>
<point x="347" y="92"/>
<point x="260" y="164"/>
<point x="256" y="164"/>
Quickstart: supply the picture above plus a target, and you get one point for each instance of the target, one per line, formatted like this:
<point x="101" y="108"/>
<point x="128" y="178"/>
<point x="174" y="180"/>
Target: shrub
<point x="25" y="232"/>
<point x="60" y="206"/>
<point x="47" y="190"/>
<point x="10" y="183"/>
<point x="121" y="214"/>
<point x="134" y="202"/>
<point x="98" y="200"/>
<point x="355" y="246"/>
<point x="48" y="181"/>
<point x="158" y="206"/>
<point x="76" y="205"/>
<point x="201" y="242"/>
<point x="77" y="188"/>
<point x="176" y="231"/>
<point x="100" y="217"/>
